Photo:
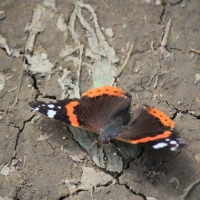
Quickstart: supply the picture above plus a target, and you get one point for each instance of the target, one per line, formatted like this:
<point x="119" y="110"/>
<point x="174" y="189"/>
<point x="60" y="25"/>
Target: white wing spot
<point x="167" y="139"/>
<point x="159" y="145"/>
<point x="173" y="142"/>
<point x="173" y="148"/>
<point x="36" y="108"/>
<point x="43" y="105"/>
<point x="59" y="107"/>
<point x="50" y="106"/>
<point x="51" y="113"/>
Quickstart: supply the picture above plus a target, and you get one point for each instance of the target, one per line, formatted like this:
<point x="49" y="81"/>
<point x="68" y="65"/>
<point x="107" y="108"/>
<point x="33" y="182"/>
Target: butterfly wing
<point x="61" y="110"/>
<point x="96" y="108"/>
<point x="150" y="125"/>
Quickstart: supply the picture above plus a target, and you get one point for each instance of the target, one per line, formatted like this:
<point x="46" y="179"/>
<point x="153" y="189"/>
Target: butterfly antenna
<point x="96" y="141"/>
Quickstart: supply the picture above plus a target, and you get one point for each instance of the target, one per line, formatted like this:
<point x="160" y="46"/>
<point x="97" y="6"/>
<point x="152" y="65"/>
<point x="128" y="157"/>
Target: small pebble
<point x="2" y="14"/>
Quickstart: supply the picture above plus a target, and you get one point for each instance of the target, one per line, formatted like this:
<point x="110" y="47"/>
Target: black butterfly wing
<point x="150" y="125"/>
<point x="96" y="108"/>
<point x="95" y="113"/>
<point x="55" y="109"/>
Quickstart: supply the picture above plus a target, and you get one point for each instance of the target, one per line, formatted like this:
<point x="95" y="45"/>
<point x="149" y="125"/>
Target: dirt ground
<point x="39" y="157"/>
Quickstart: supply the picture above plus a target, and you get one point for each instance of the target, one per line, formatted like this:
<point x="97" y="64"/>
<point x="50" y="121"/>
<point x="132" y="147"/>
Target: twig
<point x="119" y="71"/>
<point x="196" y="51"/>
<point x="79" y="65"/>
<point x="20" y="82"/>
<point x="156" y="76"/>
<point x="156" y="81"/>
<point x="72" y="27"/>
<point x="175" y="179"/>
<point x="164" y="41"/>
<point x="105" y="4"/>
<point x="151" y="79"/>
<point x="9" y="77"/>
<point x="187" y="104"/>
<point x="152" y="49"/>
<point x="197" y="75"/>
<point x="73" y="191"/>
<point x="198" y="100"/>
<point x="13" y="89"/>
<point x="1" y="166"/>
<point x="44" y="137"/>
<point x="156" y="93"/>
<point x="189" y="189"/>
<point x="24" y="161"/>
<point x="92" y="197"/>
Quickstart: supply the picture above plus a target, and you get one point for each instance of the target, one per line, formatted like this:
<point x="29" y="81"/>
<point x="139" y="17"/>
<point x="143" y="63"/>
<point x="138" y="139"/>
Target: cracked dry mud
<point x="56" y="167"/>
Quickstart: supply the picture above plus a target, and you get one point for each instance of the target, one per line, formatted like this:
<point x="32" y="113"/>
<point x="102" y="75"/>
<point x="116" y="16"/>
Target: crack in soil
<point x="173" y="4"/>
<point x="131" y="190"/>
<point x="162" y="15"/>
<point x="62" y="197"/>
<point x="35" y="86"/>
<point x="20" y="130"/>
<point x="18" y="135"/>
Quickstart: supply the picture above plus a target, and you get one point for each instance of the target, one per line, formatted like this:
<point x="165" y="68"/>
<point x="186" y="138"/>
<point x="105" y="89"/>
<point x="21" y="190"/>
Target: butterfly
<point x="106" y="112"/>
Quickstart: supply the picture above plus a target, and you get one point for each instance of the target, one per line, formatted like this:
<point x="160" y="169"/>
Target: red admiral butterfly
<point x="106" y="111"/>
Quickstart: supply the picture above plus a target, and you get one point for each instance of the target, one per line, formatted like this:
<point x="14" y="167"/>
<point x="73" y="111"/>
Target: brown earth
<point x="58" y="167"/>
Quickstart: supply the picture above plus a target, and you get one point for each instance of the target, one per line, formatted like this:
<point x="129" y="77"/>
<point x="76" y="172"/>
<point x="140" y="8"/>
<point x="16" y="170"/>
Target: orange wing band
<point x="70" y="113"/>
<point x="166" y="134"/>
<point x="165" y="120"/>
<point x="109" y="90"/>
